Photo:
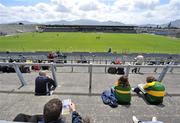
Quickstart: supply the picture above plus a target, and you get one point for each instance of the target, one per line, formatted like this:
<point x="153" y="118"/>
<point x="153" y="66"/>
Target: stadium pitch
<point x="90" y="42"/>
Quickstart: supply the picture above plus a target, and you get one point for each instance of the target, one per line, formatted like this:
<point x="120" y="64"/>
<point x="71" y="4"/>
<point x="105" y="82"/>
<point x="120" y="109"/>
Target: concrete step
<point x="92" y="106"/>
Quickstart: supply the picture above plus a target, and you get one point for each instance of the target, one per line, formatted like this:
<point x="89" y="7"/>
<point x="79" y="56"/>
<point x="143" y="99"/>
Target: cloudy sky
<point x="126" y="11"/>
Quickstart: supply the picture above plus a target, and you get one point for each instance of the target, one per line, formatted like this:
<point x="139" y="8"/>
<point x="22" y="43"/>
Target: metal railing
<point x="90" y="68"/>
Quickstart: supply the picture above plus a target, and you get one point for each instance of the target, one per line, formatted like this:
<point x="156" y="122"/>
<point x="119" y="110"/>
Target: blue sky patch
<point x="164" y="1"/>
<point x="33" y="2"/>
<point x="22" y="2"/>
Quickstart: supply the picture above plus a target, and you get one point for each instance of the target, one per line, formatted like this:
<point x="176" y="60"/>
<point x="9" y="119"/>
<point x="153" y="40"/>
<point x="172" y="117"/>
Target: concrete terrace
<point x="75" y="86"/>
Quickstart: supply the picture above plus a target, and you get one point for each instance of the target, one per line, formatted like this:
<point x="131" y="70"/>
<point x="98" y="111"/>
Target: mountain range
<point x="175" y="23"/>
<point x="85" y="22"/>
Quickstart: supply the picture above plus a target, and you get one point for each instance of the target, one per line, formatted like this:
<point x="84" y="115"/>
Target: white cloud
<point x="135" y="5"/>
<point x="42" y="7"/>
<point x="126" y="11"/>
<point x="89" y="7"/>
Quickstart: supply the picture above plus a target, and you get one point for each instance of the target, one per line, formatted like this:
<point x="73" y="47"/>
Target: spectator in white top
<point x="139" y="61"/>
<point x="154" y="120"/>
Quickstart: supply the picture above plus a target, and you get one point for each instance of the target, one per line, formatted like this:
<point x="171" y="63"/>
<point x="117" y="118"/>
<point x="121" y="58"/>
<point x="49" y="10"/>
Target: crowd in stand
<point x="119" y="94"/>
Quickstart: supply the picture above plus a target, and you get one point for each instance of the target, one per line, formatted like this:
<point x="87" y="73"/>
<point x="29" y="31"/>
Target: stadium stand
<point x="74" y="86"/>
<point x="172" y="32"/>
<point x="10" y="29"/>
<point x="87" y="28"/>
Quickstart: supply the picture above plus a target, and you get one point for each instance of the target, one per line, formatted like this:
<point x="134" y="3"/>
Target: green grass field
<point x="90" y="42"/>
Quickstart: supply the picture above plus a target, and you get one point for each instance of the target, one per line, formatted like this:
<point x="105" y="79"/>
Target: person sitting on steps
<point x="153" y="90"/>
<point x="122" y="90"/>
<point x="52" y="113"/>
<point x="44" y="85"/>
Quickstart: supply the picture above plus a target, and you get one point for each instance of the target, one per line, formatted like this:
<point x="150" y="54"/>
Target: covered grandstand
<point x="87" y="28"/>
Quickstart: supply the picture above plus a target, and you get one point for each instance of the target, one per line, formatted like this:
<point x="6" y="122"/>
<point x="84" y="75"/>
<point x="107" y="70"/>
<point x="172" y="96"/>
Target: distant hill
<point x="21" y="22"/>
<point x="85" y="22"/>
<point x="148" y="25"/>
<point x="175" y="23"/>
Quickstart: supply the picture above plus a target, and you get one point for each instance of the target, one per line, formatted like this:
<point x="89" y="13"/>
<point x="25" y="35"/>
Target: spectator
<point x="117" y="61"/>
<point x="109" y="50"/>
<point x="139" y="61"/>
<point x="44" y="85"/>
<point x="52" y="114"/>
<point x="153" y="91"/>
<point x="122" y="90"/>
<point x="119" y="93"/>
<point x="170" y="60"/>
<point x="154" y="120"/>
<point x="52" y="111"/>
<point x="51" y="57"/>
<point x="76" y="118"/>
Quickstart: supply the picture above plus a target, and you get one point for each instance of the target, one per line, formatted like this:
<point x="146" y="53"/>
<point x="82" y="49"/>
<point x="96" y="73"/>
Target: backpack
<point x="112" y="70"/>
<point x="120" y="71"/>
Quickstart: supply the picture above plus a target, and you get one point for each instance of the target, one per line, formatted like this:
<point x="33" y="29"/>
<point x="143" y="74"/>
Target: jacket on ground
<point x="108" y="98"/>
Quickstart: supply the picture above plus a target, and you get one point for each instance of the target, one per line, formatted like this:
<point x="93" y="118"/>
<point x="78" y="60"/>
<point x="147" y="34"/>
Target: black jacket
<point x="43" y="85"/>
<point x="76" y="118"/>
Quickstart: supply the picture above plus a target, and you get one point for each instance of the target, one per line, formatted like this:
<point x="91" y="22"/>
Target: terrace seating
<point x="74" y="86"/>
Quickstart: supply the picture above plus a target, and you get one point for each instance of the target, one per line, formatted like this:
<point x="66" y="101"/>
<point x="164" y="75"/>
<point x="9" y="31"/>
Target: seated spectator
<point x="117" y="61"/>
<point x="154" y="120"/>
<point x="153" y="91"/>
<point x="52" y="111"/>
<point x="119" y="93"/>
<point x="76" y="118"/>
<point x="44" y="85"/>
<point x="122" y="90"/>
<point x="52" y="114"/>
<point x="139" y="61"/>
<point x="50" y="57"/>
